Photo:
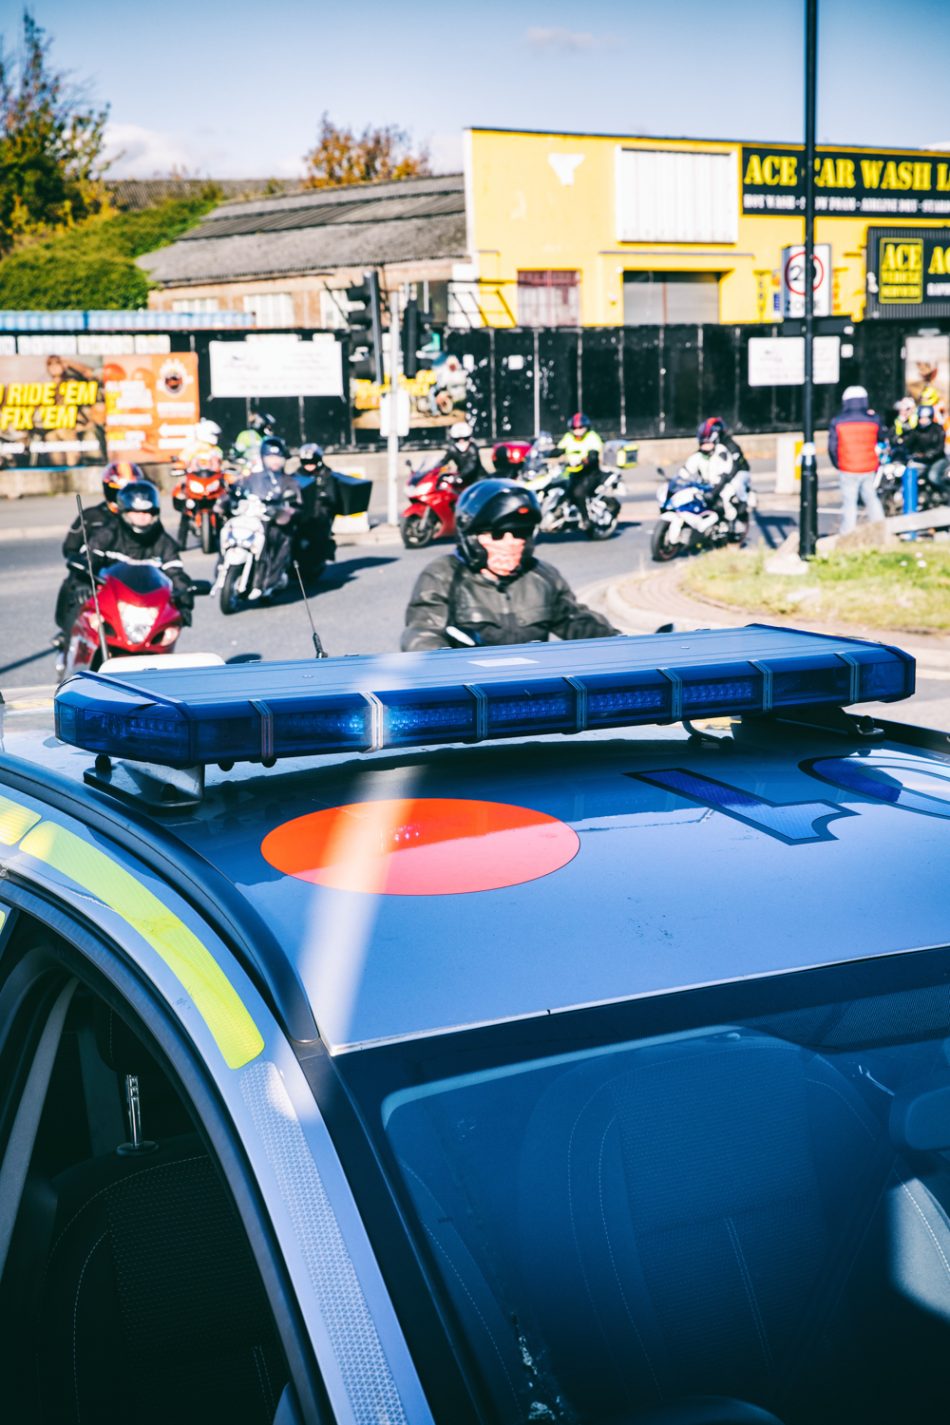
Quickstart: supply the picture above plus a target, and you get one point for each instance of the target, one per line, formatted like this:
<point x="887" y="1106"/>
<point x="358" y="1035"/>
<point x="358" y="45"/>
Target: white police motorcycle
<point x="692" y="518"/>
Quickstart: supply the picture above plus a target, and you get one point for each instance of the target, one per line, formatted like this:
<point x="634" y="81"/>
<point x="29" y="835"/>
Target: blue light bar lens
<point x="437" y="715"/>
<point x="263" y="711"/>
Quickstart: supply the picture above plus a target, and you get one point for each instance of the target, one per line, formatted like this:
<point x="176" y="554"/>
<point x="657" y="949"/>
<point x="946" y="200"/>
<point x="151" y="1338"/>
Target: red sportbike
<point x="430" y="513"/>
<point x="136" y="615"/>
<point x="195" y="496"/>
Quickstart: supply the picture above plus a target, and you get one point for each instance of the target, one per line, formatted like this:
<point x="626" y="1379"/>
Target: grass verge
<point x="906" y="589"/>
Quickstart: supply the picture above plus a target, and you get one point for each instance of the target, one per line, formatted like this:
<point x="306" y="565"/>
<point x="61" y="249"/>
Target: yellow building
<point x="603" y="230"/>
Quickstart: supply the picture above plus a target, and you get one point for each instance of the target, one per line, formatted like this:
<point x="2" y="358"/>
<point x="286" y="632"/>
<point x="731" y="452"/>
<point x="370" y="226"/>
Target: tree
<point x="51" y="143"/>
<point x="342" y="156"/>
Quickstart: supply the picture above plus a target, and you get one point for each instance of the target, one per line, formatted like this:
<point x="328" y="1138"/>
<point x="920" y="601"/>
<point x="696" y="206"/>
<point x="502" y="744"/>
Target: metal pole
<point x="808" y="514"/>
<point x="392" y="444"/>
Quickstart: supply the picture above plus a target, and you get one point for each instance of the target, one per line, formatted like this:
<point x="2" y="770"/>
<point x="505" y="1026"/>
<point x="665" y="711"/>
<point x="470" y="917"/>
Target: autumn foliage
<point x="341" y="156"/>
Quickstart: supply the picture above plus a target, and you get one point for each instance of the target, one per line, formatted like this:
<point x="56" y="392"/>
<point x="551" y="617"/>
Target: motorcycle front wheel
<point x="603" y="528"/>
<point x="417" y="530"/>
<point x="661" y="546"/>
<point x="230" y="598"/>
<point x="208" y="532"/>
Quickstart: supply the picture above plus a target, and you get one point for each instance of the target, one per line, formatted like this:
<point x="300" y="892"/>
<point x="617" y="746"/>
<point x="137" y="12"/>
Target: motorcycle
<point x="430" y="512"/>
<point x="889" y="481"/>
<point x="136" y="615"/>
<point x="195" y="496"/>
<point x="559" y="512"/>
<point x="243" y="542"/>
<point x="688" y="521"/>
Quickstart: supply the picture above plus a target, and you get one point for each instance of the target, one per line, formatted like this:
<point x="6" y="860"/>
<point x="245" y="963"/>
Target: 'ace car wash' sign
<point x="848" y="183"/>
<point x="908" y="272"/>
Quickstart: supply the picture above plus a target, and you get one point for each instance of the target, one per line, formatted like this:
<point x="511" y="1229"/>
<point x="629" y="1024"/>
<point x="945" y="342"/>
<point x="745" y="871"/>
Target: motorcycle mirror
<point x="201" y="586"/>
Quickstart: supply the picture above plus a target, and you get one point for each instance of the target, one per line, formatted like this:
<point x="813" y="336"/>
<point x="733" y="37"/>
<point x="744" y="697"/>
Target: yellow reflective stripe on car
<point x="15" y="821"/>
<point x="215" y="998"/>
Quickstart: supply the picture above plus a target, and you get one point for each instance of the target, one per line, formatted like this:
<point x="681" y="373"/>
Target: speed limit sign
<point x="793" y="280"/>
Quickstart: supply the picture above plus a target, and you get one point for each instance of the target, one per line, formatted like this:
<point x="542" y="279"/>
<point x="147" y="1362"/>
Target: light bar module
<point x="193" y="717"/>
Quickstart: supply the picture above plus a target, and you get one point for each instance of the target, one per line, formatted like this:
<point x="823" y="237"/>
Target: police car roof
<point x="424" y="891"/>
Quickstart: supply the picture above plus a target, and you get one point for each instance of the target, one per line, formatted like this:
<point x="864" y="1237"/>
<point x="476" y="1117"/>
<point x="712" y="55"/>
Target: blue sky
<point x="232" y="89"/>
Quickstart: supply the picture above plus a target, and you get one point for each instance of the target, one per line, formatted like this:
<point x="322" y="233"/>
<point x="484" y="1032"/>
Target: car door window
<point x="129" y="1285"/>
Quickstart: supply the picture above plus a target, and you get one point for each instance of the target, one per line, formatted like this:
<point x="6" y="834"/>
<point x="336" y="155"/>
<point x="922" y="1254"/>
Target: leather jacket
<point x="525" y="609"/>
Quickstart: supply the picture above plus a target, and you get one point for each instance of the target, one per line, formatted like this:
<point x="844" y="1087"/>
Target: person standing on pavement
<point x="492" y="590"/>
<point x="853" y="437"/>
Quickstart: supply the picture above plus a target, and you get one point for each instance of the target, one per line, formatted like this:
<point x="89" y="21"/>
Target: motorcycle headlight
<point x="196" y="487"/>
<point x="137" y="621"/>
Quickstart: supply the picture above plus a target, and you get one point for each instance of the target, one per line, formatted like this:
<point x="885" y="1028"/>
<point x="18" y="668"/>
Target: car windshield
<point x="623" y="1209"/>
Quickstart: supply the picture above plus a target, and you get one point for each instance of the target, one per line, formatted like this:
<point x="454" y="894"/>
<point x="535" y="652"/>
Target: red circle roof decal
<point x="422" y="846"/>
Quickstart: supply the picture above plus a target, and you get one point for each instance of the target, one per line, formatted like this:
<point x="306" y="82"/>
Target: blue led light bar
<point x="190" y="717"/>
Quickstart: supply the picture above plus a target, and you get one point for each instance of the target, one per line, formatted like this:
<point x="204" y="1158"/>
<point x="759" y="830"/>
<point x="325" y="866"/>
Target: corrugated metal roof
<point x="312" y="249"/>
<point x="311" y="215"/>
<point x="319" y="231"/>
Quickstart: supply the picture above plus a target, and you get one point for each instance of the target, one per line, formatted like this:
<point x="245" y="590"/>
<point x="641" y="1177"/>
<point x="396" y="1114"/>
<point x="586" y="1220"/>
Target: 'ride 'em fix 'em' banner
<point x="848" y="183"/>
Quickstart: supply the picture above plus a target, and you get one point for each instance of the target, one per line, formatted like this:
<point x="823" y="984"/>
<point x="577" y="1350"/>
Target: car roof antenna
<point x="103" y="650"/>
<point x="318" y="649"/>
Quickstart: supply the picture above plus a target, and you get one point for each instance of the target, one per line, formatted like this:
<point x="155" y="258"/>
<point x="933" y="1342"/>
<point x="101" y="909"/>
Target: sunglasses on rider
<point x="520" y="529"/>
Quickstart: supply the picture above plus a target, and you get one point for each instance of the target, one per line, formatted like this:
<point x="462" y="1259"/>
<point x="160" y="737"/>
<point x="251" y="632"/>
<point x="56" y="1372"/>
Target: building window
<point x="659" y="299"/>
<point x="334" y="308"/>
<point x="196" y="304"/>
<point x="272" y="309"/>
<point x="549" y="299"/>
<point x="669" y="196"/>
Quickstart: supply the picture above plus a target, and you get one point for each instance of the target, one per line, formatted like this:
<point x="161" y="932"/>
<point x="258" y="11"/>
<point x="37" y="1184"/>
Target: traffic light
<point x="419" y="341"/>
<point x="365" y="323"/>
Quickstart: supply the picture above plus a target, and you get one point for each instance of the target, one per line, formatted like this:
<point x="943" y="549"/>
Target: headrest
<point x="118" y="1046"/>
<point x="920" y="1116"/>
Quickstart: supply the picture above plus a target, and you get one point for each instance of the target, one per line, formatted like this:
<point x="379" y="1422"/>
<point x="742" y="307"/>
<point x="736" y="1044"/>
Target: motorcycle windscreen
<point x="137" y="578"/>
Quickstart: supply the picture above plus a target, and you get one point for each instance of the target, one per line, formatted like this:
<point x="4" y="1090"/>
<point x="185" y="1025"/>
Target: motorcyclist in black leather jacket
<point x="135" y="536"/>
<point x="462" y="452"/>
<point x="492" y="589"/>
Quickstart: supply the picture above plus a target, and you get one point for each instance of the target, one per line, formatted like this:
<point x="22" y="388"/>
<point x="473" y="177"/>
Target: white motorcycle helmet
<point x="461" y="430"/>
<point x="207" y="431"/>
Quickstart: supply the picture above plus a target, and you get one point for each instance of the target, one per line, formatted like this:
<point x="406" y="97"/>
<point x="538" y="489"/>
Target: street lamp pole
<point x="808" y="515"/>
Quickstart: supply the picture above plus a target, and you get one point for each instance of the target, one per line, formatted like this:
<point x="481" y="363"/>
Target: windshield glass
<point x="139" y="578"/>
<point x="745" y="1205"/>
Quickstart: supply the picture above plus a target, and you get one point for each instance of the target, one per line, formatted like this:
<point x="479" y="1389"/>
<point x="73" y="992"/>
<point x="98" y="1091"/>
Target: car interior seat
<point x="149" y="1306"/>
<point x="726" y="1216"/>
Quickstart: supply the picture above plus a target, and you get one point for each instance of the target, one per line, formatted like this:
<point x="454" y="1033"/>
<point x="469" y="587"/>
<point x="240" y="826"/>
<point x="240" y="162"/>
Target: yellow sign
<point x="901" y="271"/>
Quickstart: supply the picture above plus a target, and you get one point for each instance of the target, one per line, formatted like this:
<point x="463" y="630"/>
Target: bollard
<point x="909" y="494"/>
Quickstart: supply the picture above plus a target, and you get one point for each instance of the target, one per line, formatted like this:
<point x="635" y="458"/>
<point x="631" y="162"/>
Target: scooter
<point x="131" y="613"/>
<point x="430" y="513"/>
<point x="195" y="495"/>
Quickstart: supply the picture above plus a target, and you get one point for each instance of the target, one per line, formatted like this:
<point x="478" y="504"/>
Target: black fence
<point x="633" y="382"/>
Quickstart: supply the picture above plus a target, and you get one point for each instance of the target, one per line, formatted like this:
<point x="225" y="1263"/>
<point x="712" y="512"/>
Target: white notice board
<point x="259" y="368"/>
<point x="780" y="360"/>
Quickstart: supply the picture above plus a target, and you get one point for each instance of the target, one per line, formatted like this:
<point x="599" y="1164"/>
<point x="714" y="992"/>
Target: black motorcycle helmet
<point x="311" y="459"/>
<point x="274" y="449"/>
<point x="495" y="507"/>
<point x="138" y="498"/>
<point x="116" y="476"/>
<point x="710" y="431"/>
<point x="264" y="422"/>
